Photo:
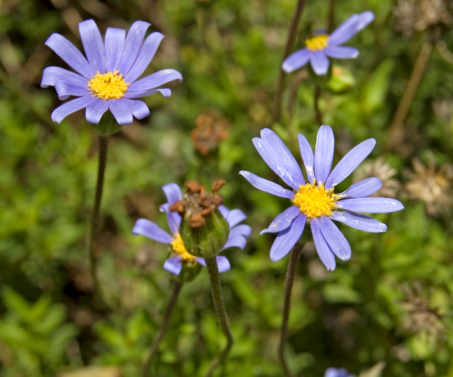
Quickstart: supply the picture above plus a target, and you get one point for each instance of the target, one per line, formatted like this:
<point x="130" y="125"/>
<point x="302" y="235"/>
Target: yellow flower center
<point x="110" y="85"/>
<point x="318" y="42"/>
<point x="178" y="247"/>
<point x="315" y="201"/>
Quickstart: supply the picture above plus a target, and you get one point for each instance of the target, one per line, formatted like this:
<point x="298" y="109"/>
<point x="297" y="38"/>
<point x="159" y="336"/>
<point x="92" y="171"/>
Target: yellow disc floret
<point x="318" y="42"/>
<point x="178" y="247"/>
<point x="315" y="201"/>
<point x="110" y="85"/>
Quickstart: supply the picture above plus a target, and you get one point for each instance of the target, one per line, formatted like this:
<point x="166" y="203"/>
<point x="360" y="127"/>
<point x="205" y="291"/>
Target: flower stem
<point x="103" y="149"/>
<point x="222" y="315"/>
<point x="317" y="96"/>
<point x="289" y="42"/>
<point x="290" y="274"/>
<point x="331" y="16"/>
<point x="396" y="132"/>
<point x="163" y="328"/>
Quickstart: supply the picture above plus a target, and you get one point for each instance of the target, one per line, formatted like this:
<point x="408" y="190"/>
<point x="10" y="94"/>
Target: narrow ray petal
<point x="350" y="27"/>
<point x="172" y="192"/>
<point x="93" y="44"/>
<point x="360" y="222"/>
<point x="371" y="205"/>
<point x="336" y="240"/>
<point x="286" y="239"/>
<point x="154" y="80"/>
<point x="224" y="211"/>
<point x="145" y="56"/>
<point x="173" y="265"/>
<point x="325" y="254"/>
<point x="235" y="216"/>
<point x="69" y="53"/>
<point x="70" y="107"/>
<point x="283" y="220"/>
<point x="121" y="112"/>
<point x="223" y="264"/>
<point x="164" y="91"/>
<point x="341" y="52"/>
<point x="148" y="229"/>
<point x="296" y="60"/>
<point x="65" y="89"/>
<point x="308" y="157"/>
<point x="132" y="44"/>
<point x="173" y="218"/>
<point x="319" y="62"/>
<point x="267" y="186"/>
<point x="238" y="241"/>
<point x="350" y="162"/>
<point x="53" y="75"/>
<point x="325" y="143"/>
<point x="363" y="188"/>
<point x="94" y="111"/>
<point x="114" y="43"/>
<point x="240" y="230"/>
<point x="139" y="109"/>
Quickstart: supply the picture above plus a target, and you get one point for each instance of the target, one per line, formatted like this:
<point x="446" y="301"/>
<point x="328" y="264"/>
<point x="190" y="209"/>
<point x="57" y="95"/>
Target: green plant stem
<point x="331" y="16"/>
<point x="289" y="42"/>
<point x="317" y="97"/>
<point x="290" y="274"/>
<point x="220" y="310"/>
<point x="102" y="162"/>
<point x="163" y="328"/>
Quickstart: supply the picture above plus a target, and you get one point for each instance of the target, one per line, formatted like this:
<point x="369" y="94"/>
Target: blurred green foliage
<point x="391" y="303"/>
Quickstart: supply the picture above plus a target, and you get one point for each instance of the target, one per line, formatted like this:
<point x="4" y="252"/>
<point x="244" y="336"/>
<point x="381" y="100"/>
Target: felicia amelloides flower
<point x="180" y="257"/>
<point x="106" y="79"/>
<point x="322" y="46"/>
<point x="315" y="202"/>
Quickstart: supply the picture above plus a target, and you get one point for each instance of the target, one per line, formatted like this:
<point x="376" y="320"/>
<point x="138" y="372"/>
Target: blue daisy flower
<point x="236" y="238"/>
<point x="322" y="46"/>
<point x="106" y="79"/>
<point x="334" y="372"/>
<point x="315" y="202"/>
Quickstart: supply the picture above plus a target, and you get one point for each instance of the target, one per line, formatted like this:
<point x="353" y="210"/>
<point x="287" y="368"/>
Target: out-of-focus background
<point x="389" y="306"/>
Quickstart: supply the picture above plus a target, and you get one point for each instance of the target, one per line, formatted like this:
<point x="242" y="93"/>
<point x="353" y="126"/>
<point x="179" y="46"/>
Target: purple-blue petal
<point x="54" y="75"/>
<point x="341" y="52"/>
<point x="235" y="216"/>
<point x="65" y="89"/>
<point x="70" y="107"/>
<point x="333" y="372"/>
<point x="308" y="157"/>
<point x="350" y="27"/>
<point x="278" y="157"/>
<point x="145" y="56"/>
<point x="164" y="91"/>
<point x="296" y="60"/>
<point x="154" y="80"/>
<point x="121" y="112"/>
<point x="325" y="254"/>
<point x="173" y="218"/>
<point x="94" y="111"/>
<point x="286" y="239"/>
<point x="319" y="62"/>
<point x="238" y="241"/>
<point x="267" y="186"/>
<point x="371" y="205"/>
<point x="151" y="230"/>
<point x="132" y="44"/>
<point x="93" y="45"/>
<point x="69" y="53"/>
<point x="173" y="265"/>
<point x="335" y="239"/>
<point x="283" y="220"/>
<point x="360" y="222"/>
<point x="363" y="188"/>
<point x="223" y="264"/>
<point x="224" y="211"/>
<point x="114" y="43"/>
<point x="139" y="109"/>
<point x="325" y="144"/>
<point x="240" y="230"/>
<point x="350" y="162"/>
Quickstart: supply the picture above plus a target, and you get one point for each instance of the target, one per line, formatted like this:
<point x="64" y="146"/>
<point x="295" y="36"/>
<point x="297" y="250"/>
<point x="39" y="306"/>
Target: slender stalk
<point x="289" y="42"/>
<point x="220" y="310"/>
<point x="290" y="274"/>
<point x="331" y="16"/>
<point x="396" y="131"/>
<point x="163" y="328"/>
<point x="103" y="149"/>
<point x="317" y="96"/>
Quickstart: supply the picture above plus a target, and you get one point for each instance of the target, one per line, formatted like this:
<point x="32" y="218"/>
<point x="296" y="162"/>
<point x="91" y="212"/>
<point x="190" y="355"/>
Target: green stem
<point x="289" y="42"/>
<point x="317" y="96"/>
<point x="222" y="315"/>
<point x="331" y="15"/>
<point x="290" y="274"/>
<point x="163" y="328"/>
<point x="103" y="149"/>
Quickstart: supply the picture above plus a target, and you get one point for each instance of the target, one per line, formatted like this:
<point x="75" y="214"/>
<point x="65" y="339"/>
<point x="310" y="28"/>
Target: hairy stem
<point x="289" y="42"/>
<point x="163" y="328"/>
<point x="220" y="310"/>
<point x="103" y="149"/>
<point x="396" y="131"/>
<point x="317" y="97"/>
<point x="290" y="274"/>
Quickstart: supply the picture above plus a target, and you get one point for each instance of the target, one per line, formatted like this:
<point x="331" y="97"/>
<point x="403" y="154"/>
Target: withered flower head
<point x="431" y="185"/>
<point x="210" y="130"/>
